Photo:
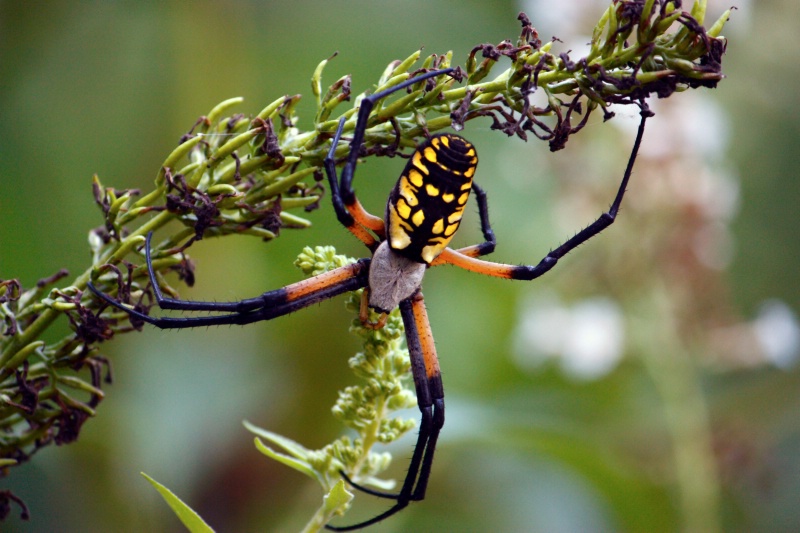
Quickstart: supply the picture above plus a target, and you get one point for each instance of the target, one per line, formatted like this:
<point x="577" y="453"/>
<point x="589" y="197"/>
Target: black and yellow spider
<point x="422" y="215"/>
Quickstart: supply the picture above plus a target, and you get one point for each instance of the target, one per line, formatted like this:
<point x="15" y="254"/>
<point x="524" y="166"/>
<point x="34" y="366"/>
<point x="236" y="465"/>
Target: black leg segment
<point x="604" y="221"/>
<point x="430" y="399"/>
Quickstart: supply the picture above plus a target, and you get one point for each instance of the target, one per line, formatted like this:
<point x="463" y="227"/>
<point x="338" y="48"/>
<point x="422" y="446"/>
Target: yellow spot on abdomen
<point x="429" y="253"/>
<point x="416" y="159"/>
<point x="431" y="190"/>
<point x="430" y="154"/>
<point x="408" y="192"/>
<point x="415" y="177"/>
<point x="398" y="237"/>
<point x="403" y="209"/>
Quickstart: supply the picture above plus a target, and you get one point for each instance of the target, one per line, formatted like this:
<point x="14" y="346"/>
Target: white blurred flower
<point x="778" y="332"/>
<point x="587" y="338"/>
<point x="772" y="337"/>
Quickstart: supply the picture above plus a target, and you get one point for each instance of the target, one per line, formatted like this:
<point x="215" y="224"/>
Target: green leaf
<point x="299" y="453"/>
<point x="338" y="497"/>
<point x="294" y="448"/>
<point x="299" y="465"/>
<point x="333" y="503"/>
<point x="186" y="514"/>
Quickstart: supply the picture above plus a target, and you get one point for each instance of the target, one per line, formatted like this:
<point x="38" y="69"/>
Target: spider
<point x="422" y="214"/>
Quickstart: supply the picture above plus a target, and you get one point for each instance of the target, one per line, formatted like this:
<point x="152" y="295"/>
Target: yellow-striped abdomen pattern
<point x="426" y="204"/>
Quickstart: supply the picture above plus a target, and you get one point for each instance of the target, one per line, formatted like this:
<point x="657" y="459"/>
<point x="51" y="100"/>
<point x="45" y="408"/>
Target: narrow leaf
<point x="186" y="514"/>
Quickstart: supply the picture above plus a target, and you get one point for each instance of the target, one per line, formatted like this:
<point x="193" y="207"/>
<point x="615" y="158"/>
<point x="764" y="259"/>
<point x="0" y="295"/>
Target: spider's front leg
<point x="349" y="211"/>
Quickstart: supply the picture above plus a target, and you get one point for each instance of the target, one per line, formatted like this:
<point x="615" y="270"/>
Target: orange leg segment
<point x="367" y="219"/>
<point x="462" y="258"/>
<point x="322" y="281"/>
<point x="425" y="337"/>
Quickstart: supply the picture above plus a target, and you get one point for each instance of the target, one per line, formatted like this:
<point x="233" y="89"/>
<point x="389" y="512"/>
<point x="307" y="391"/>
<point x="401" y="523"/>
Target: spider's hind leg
<point x="430" y="399"/>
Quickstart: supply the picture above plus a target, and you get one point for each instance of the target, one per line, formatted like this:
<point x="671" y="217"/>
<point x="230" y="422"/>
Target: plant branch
<point x="232" y="174"/>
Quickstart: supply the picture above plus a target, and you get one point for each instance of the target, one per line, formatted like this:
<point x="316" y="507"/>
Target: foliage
<point x="236" y="175"/>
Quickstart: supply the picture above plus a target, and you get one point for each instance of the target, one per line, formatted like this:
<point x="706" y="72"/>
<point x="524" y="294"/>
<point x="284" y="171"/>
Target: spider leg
<point x="273" y="303"/>
<point x="241" y="306"/>
<point x="430" y="399"/>
<point x="489" y="244"/>
<point x="352" y="216"/>
<point x="367" y="103"/>
<point x="486" y="247"/>
<point x="526" y="272"/>
<point x="349" y="211"/>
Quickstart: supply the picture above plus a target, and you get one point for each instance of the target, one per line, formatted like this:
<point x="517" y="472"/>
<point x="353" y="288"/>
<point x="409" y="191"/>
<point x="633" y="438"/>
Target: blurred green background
<point x="696" y="427"/>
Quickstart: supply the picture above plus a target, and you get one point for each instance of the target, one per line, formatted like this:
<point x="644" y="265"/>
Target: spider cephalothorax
<point x="423" y="212"/>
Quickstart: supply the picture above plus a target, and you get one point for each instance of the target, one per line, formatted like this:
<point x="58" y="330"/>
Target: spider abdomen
<point x="427" y="203"/>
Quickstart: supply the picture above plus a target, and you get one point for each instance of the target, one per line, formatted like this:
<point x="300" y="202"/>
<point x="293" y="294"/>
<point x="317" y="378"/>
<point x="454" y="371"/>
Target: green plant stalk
<point x="677" y="382"/>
